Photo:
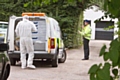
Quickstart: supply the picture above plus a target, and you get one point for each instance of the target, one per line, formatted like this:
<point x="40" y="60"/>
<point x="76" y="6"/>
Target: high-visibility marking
<point x="49" y="45"/>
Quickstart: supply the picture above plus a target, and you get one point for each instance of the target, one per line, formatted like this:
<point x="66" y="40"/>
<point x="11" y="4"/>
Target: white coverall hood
<point x="25" y="18"/>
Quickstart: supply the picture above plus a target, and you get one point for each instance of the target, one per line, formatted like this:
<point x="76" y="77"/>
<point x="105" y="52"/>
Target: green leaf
<point x="55" y="0"/>
<point x="119" y="62"/>
<point x="80" y="0"/>
<point x="107" y="66"/>
<point x="111" y="78"/>
<point x="114" y="51"/>
<point x="93" y="69"/>
<point x="101" y="75"/>
<point x="114" y="64"/>
<point x="92" y="77"/>
<point x="70" y="1"/>
<point x="115" y="44"/>
<point x="114" y="55"/>
<point x="115" y="72"/>
<point x="108" y="28"/>
<point x="104" y="73"/>
<point x="106" y="56"/>
<point x="26" y="4"/>
<point x="102" y="51"/>
<point x="100" y="65"/>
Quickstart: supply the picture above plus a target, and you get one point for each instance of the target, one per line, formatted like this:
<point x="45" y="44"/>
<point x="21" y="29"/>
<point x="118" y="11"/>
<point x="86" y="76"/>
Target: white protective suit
<point x="24" y="30"/>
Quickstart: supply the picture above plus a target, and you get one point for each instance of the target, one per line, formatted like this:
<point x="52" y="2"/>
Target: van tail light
<point x="52" y="43"/>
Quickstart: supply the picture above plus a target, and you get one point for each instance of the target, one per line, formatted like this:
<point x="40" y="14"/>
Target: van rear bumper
<point x="36" y="55"/>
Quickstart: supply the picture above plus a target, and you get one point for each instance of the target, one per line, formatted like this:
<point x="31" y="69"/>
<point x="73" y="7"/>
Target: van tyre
<point x="12" y="61"/>
<point x="63" y="58"/>
<point x="6" y="73"/>
<point x="55" y="62"/>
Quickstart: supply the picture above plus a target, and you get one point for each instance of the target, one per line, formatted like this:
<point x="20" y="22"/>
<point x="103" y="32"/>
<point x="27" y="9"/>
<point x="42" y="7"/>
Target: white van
<point x="48" y="43"/>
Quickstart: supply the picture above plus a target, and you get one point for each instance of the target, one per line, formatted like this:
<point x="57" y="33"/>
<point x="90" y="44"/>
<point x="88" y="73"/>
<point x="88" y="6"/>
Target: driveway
<point x="73" y="69"/>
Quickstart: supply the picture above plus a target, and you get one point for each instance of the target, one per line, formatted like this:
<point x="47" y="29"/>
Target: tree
<point x="112" y="56"/>
<point x="99" y="3"/>
<point x="9" y="8"/>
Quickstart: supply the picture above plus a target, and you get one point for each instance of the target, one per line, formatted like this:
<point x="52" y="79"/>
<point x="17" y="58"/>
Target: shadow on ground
<point x="39" y="63"/>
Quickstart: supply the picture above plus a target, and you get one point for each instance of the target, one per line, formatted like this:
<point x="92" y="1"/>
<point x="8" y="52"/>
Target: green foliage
<point x="115" y="72"/>
<point x="106" y="56"/>
<point x="10" y="7"/>
<point x="99" y="3"/>
<point x="104" y="73"/>
<point x="93" y="69"/>
<point x="112" y="55"/>
<point x="102" y="51"/>
<point x="112" y="60"/>
<point x="100" y="72"/>
<point x="114" y="52"/>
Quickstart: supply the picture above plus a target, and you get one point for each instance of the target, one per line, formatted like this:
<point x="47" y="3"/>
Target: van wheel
<point x="55" y="60"/>
<point x="13" y="61"/>
<point x="6" y="73"/>
<point x="63" y="58"/>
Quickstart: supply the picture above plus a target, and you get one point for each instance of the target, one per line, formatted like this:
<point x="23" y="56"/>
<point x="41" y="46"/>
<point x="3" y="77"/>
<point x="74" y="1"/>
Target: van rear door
<point x="40" y="37"/>
<point x="10" y="38"/>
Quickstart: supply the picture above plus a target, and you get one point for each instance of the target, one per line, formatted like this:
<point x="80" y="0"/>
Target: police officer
<point x="86" y="33"/>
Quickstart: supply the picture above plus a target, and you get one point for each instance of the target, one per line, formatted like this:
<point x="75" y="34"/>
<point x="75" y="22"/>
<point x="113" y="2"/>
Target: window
<point x="3" y="25"/>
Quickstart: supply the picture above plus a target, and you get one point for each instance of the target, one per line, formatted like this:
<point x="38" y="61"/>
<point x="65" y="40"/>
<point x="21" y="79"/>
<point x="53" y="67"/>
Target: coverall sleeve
<point x="34" y="29"/>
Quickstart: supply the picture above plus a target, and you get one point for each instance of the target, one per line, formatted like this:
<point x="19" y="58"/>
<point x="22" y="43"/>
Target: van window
<point x="3" y="31"/>
<point x="4" y="26"/>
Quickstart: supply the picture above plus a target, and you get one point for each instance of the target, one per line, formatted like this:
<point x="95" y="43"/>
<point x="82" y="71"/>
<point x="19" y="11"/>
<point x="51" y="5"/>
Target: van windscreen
<point x="3" y="26"/>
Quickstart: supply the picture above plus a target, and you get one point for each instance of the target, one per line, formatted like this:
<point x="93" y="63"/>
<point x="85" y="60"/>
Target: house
<point x="98" y="29"/>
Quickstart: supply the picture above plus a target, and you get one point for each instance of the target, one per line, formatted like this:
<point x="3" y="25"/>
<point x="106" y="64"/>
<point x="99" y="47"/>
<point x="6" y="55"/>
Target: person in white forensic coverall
<point x="24" y="30"/>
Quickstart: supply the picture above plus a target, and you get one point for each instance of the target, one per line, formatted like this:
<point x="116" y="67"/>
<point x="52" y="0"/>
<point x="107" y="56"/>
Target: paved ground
<point x="73" y="69"/>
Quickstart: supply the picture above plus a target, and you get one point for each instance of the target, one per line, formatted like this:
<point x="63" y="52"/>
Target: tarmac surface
<point x="73" y="69"/>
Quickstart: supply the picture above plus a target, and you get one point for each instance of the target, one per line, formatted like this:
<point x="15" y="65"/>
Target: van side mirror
<point x="4" y="47"/>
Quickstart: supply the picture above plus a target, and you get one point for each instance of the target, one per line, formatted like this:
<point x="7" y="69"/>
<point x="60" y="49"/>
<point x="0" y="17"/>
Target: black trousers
<point x="86" y="48"/>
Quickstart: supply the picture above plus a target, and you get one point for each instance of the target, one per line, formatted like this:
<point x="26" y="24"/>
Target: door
<point x="101" y="33"/>
<point x="39" y="37"/>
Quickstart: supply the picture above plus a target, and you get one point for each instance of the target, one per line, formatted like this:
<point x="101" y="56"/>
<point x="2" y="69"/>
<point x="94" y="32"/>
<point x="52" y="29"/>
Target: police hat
<point x="88" y="21"/>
